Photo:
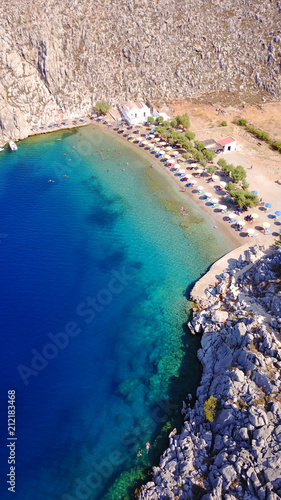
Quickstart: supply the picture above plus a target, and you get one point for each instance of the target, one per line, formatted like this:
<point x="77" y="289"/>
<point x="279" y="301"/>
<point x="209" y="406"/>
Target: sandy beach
<point x="267" y="190"/>
<point x="260" y="176"/>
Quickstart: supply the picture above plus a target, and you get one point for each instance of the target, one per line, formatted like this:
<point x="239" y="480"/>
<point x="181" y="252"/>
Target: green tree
<point x="102" y="107"/>
<point x="199" y="145"/>
<point x="212" y="170"/>
<point x="166" y="124"/>
<point x="222" y="163"/>
<point x="160" y="130"/>
<point x="210" y="408"/>
<point x="245" y="198"/>
<point x="230" y="188"/>
<point x="185" y="156"/>
<point x="187" y="145"/>
<point x="183" y="120"/>
<point x="209" y="155"/>
<point x="242" y="122"/>
<point x="159" y="119"/>
<point x="198" y="156"/>
<point x="189" y="135"/>
<point x="150" y="119"/>
<point x="174" y="123"/>
<point x="238" y="174"/>
<point x="245" y="184"/>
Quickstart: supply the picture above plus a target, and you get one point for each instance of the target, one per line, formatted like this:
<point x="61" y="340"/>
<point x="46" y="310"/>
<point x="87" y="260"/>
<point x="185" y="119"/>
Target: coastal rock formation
<point x="58" y="58"/>
<point x="238" y="454"/>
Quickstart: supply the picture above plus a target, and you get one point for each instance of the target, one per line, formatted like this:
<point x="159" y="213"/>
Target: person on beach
<point x="139" y="454"/>
<point x="147" y="445"/>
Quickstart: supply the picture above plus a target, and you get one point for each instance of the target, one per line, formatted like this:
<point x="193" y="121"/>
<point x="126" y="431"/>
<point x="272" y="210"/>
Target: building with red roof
<point x="228" y="144"/>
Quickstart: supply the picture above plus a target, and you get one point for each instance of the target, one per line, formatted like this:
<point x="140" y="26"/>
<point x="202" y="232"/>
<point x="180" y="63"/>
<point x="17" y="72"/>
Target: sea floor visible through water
<point x="95" y="272"/>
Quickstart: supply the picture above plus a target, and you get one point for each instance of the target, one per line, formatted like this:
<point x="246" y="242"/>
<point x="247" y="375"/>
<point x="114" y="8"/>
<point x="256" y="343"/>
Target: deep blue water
<point x="102" y="255"/>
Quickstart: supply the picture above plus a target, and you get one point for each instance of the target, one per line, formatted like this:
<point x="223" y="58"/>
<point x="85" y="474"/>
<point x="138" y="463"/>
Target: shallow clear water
<point x="102" y="255"/>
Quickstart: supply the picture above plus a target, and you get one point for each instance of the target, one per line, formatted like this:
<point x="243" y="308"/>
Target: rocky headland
<point x="58" y="58"/>
<point x="234" y="452"/>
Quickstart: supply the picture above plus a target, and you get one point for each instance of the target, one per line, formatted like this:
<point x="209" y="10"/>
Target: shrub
<point x="102" y="107"/>
<point x="210" y="408"/>
<point x="277" y="145"/>
<point x="223" y="124"/>
<point x="150" y="119"/>
<point x="242" y="122"/>
<point x="174" y="123"/>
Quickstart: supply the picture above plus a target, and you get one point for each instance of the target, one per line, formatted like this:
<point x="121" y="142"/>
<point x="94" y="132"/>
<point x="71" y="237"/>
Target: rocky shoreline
<point x="238" y="454"/>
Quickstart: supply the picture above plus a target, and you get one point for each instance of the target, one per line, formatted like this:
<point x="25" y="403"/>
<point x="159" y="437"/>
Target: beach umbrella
<point x="232" y="215"/>
<point x="172" y="161"/>
<point x="188" y="176"/>
<point x="157" y="139"/>
<point x="278" y="213"/>
<point x="169" y="148"/>
<point x="266" y="225"/>
<point x="162" y="143"/>
<point x="222" y="207"/>
<point x="254" y="192"/>
<point x="250" y="231"/>
<point x="223" y="184"/>
<point x="176" y="166"/>
<point x="241" y="223"/>
<point x="199" y="170"/>
<point x="145" y="142"/>
<point x="214" y="200"/>
<point x="200" y="188"/>
<point x="138" y="138"/>
<point x="208" y="194"/>
<point x="215" y="177"/>
<point x="181" y="171"/>
<point x="268" y="205"/>
<point x="156" y="150"/>
<point x="166" y="157"/>
<point x="161" y="152"/>
<point x="254" y="215"/>
<point x="193" y="181"/>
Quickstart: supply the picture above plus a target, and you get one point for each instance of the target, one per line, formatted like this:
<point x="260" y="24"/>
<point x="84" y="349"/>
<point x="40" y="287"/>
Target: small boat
<point x="1" y="149"/>
<point x="13" y="146"/>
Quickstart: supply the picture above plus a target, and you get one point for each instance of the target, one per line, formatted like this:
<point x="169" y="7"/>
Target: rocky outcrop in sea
<point x="238" y="455"/>
<point x="58" y="58"/>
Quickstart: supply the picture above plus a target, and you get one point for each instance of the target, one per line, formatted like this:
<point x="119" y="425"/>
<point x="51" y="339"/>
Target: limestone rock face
<point x="237" y="455"/>
<point x="58" y="58"/>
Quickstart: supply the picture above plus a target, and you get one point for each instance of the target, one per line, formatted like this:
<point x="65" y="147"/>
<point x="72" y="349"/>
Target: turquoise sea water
<point x="95" y="269"/>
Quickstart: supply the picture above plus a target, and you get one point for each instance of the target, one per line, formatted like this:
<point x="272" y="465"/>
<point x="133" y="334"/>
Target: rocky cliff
<point x="58" y="58"/>
<point x="238" y="455"/>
